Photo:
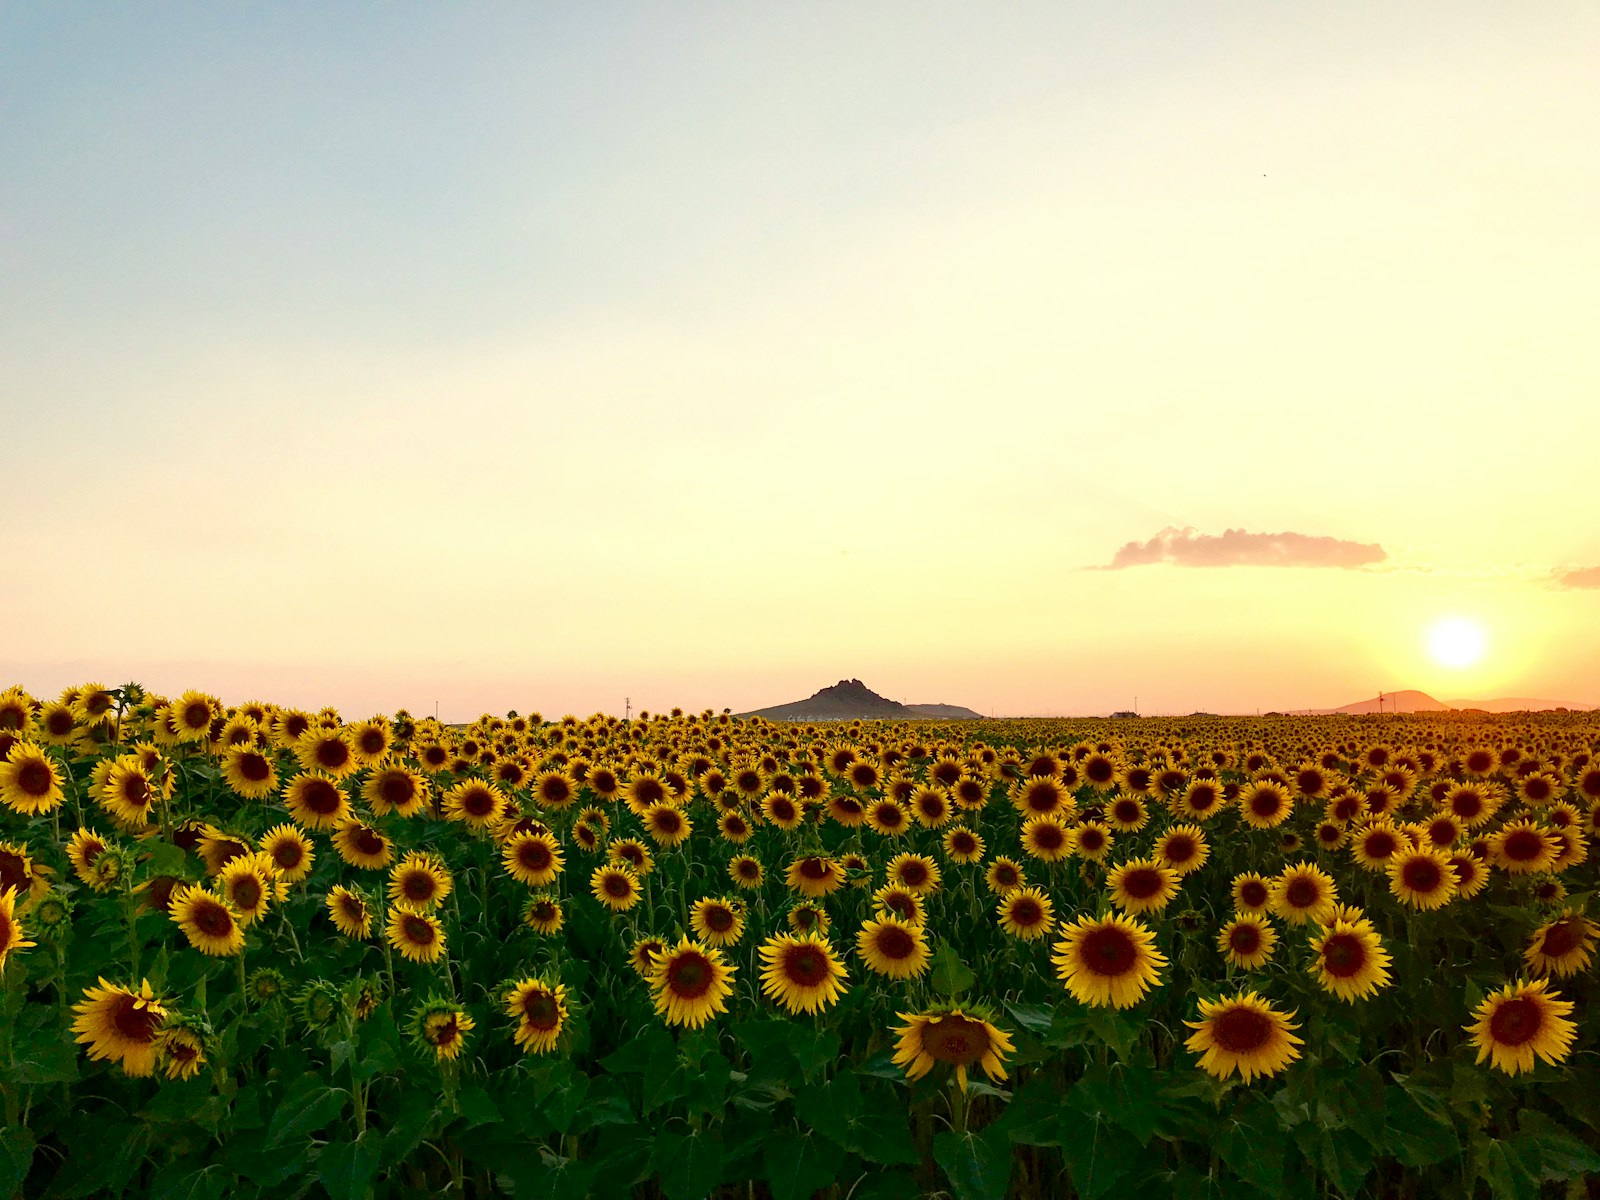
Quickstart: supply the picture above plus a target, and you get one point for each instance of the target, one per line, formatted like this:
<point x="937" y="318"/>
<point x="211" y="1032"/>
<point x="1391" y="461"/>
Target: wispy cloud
<point x="1238" y="548"/>
<point x="1583" y="577"/>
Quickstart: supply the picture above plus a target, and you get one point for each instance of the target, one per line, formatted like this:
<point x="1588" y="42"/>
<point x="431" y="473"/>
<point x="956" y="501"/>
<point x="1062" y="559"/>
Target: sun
<point x="1456" y="642"/>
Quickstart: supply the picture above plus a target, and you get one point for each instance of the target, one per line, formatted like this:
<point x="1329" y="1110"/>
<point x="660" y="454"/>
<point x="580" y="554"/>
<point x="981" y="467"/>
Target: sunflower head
<point x="961" y="1035"/>
<point x="439" y="1028"/>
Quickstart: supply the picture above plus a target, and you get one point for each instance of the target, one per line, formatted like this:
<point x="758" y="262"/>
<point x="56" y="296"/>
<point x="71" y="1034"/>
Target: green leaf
<point x="1251" y="1143"/>
<point x="813" y="1049"/>
<point x="663" y="1076"/>
<point x="950" y="976"/>
<point x="347" y="1168"/>
<point x="798" y="1166"/>
<point x="978" y="1166"/>
<point x="1128" y="1097"/>
<point x="1417" y="1127"/>
<point x="1098" y="1156"/>
<point x="1559" y="1154"/>
<point x="1503" y="1167"/>
<point x="477" y="1108"/>
<point x="690" y="1165"/>
<point x="1035" y="1018"/>
<point x="16" y="1157"/>
<point x="167" y="859"/>
<point x="306" y="1110"/>
<point x="838" y="1110"/>
<point x="1344" y="1158"/>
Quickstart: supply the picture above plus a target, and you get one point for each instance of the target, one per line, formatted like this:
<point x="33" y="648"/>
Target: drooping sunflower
<point x="691" y="983"/>
<point x="915" y="872"/>
<point x="1561" y="947"/>
<point x="1350" y="961"/>
<point x="316" y="801"/>
<point x="122" y="1025"/>
<point x="616" y="887"/>
<point x="1521" y="1022"/>
<point x="419" y="881"/>
<point x="1248" y="940"/>
<point x="1303" y="892"/>
<point x="11" y="931"/>
<point x="30" y="781"/>
<point x="363" y="846"/>
<point x="1004" y="875"/>
<point x="543" y="914"/>
<point x="540" y="1010"/>
<point x="815" y="876"/>
<point x="963" y="846"/>
<point x="1026" y="914"/>
<point x="951" y="1034"/>
<point x="533" y="859"/>
<point x="1108" y="961"/>
<point x="892" y="947"/>
<point x="417" y="935"/>
<point x="1245" y="1034"/>
<point x="351" y="915"/>
<point x="746" y="871"/>
<point x="83" y="849"/>
<point x="1422" y="878"/>
<point x="290" y="851"/>
<point x="1142" y="885"/>
<point x="395" y="788"/>
<point x="1183" y="848"/>
<point x="716" y="921"/>
<point x="801" y="973"/>
<point x="441" y="1025"/>
<point x="210" y="923"/>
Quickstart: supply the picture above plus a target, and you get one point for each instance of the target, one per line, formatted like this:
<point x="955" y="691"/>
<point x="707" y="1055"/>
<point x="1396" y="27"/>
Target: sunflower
<point x="1004" y="875"/>
<point x="892" y="947"/>
<point x="1522" y="848"/>
<point x="1561" y="947"/>
<point x="290" y="851"/>
<point x="962" y="1038"/>
<point x="249" y="771"/>
<point x="419" y="881"/>
<point x="801" y="972"/>
<point x="1201" y="800"/>
<point x="734" y="828"/>
<point x="30" y="782"/>
<point x="216" y="847"/>
<point x="963" y="846"/>
<point x="1473" y="803"/>
<point x="846" y="810"/>
<point x="1142" y="885"/>
<point x="1303" y="892"/>
<point x="1521" y="1022"/>
<point x="633" y="854"/>
<point x="83" y="849"/>
<point x="1026" y="914"/>
<point x="122" y="1025"/>
<point x="888" y="817"/>
<point x="1539" y="789"/>
<point x="746" y="871"/>
<point x="1127" y="814"/>
<point x="1108" y="961"/>
<point x="809" y="917"/>
<point x="1183" y="848"/>
<point x="1376" y="842"/>
<point x="249" y="885"/>
<point x="475" y="803"/>
<point x="717" y="922"/>
<point x="1243" y="1033"/>
<point x="615" y="887"/>
<point x="326" y="751"/>
<point x="362" y="846"/>
<point x="1350" y="961"/>
<point x="1092" y="841"/>
<point x="181" y="1048"/>
<point x="210" y="923"/>
<point x="316" y="801"/>
<point x="417" y="935"/>
<point x="1264" y="804"/>
<point x="915" y="872"/>
<point x="643" y="953"/>
<point x="1046" y="838"/>
<point x="1248" y="940"/>
<point x="555" y="790"/>
<point x="442" y="1026"/>
<point x="931" y="806"/>
<point x="393" y="788"/>
<point x="1422" y="878"/>
<point x="691" y="983"/>
<point x="11" y="931"/>
<point x="540" y="1010"/>
<point x="1039" y="795"/>
<point x="543" y="914"/>
<point x="815" y="876"/>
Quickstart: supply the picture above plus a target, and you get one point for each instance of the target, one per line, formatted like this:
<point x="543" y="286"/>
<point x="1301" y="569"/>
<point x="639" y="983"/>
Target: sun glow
<point x="1456" y="642"/>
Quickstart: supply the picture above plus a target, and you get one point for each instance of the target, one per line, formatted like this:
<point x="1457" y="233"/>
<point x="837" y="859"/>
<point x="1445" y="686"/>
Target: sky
<point x="1042" y="358"/>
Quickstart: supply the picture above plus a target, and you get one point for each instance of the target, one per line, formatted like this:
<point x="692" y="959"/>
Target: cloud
<point x="1237" y="548"/>
<point x="1583" y="577"/>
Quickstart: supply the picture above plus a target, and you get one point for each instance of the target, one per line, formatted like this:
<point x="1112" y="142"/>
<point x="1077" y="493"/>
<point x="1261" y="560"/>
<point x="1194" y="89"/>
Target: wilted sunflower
<point x="1303" y="892"/>
<point x="394" y="788"/>
<point x="290" y="851"/>
<point x="1523" y="848"/>
<point x="1422" y="878"/>
<point x="801" y="972"/>
<point x="1521" y="1022"/>
<point x="1243" y="1033"/>
<point x="815" y="876"/>
<point x="540" y="1010"/>
<point x="1248" y="940"/>
<point x="30" y="782"/>
<point x="419" y="881"/>
<point x="915" y="872"/>
<point x="210" y="924"/>
<point x="616" y="887"/>
<point x="121" y="1025"/>
<point x="533" y="859"/>
<point x="951" y="1034"/>
<point x="746" y="871"/>
<point x="963" y="846"/>
<point x="543" y="914"/>
<point x="717" y="922"/>
<point x="181" y="1047"/>
<point x="11" y="931"/>
<point x="1109" y="961"/>
<point x="1142" y="885"/>
<point x="417" y="935"/>
<point x="690" y="983"/>
<point x="1026" y="914"/>
<point x="1350" y="961"/>
<point x="1561" y="947"/>
<point x="316" y="801"/>
<point x="442" y="1026"/>
<point x="892" y="947"/>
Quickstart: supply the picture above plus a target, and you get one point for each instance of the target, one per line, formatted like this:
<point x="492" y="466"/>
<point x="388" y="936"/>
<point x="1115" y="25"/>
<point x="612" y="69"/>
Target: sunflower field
<point x="255" y="951"/>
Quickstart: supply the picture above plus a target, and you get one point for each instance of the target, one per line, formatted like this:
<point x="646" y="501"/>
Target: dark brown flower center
<point x="1240" y="1030"/>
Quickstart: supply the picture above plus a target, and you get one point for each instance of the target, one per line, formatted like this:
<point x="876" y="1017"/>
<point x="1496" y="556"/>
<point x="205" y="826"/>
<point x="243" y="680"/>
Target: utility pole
<point x="627" y="708"/>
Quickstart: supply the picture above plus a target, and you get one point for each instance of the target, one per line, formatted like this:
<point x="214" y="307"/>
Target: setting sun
<point x="1456" y="643"/>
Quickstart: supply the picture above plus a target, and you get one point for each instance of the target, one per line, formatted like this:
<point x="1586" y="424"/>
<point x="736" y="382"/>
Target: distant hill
<point x="1506" y="704"/>
<point x="1406" y="702"/>
<point x="850" y="700"/>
